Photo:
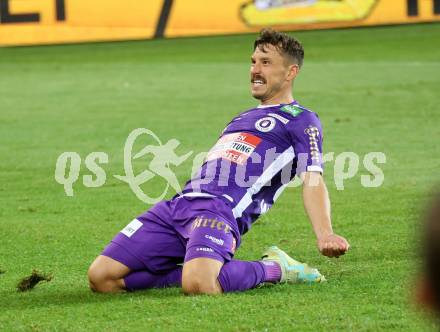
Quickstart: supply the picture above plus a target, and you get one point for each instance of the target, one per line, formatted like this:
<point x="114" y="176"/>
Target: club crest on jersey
<point x="265" y="124"/>
<point x="236" y="147"/>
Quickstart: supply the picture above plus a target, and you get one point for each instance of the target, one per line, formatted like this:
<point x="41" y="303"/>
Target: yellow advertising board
<point x="24" y="22"/>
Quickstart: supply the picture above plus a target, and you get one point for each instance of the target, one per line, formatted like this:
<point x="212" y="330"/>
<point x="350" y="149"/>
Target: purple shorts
<point x="176" y="231"/>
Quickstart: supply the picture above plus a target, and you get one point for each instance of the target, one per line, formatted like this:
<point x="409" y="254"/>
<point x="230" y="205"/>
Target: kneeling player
<point x="190" y="240"/>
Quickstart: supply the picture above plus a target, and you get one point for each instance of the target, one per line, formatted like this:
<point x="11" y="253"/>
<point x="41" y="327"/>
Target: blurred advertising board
<point x="28" y="22"/>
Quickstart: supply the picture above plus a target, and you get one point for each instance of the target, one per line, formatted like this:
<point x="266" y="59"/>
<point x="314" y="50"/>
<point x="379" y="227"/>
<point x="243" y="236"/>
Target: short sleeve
<point x="306" y="135"/>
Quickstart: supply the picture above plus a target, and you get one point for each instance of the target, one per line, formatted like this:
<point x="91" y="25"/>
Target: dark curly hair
<point x="286" y="45"/>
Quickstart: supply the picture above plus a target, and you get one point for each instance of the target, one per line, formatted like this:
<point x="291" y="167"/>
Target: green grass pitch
<point x="375" y="90"/>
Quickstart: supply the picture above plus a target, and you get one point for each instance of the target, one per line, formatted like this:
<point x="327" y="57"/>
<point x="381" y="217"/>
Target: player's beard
<point x="269" y="91"/>
<point x="259" y="91"/>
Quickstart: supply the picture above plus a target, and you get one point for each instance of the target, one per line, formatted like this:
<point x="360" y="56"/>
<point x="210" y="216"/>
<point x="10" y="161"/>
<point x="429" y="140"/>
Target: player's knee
<point x="99" y="280"/>
<point x="196" y="285"/>
<point x="96" y="278"/>
<point x="106" y="275"/>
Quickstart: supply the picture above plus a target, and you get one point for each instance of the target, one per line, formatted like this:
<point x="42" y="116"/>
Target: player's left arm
<point x="307" y="140"/>
<point x="317" y="205"/>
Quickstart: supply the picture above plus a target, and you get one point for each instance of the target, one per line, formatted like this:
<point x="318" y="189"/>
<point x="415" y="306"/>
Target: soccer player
<point x="256" y="156"/>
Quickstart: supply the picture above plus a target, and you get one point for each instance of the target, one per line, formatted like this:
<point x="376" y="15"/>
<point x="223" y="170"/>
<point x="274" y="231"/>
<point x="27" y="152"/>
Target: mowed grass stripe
<point x="374" y="89"/>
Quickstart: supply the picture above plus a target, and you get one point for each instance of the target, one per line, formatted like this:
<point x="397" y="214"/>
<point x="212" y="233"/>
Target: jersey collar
<point x="267" y="106"/>
<point x="275" y="105"/>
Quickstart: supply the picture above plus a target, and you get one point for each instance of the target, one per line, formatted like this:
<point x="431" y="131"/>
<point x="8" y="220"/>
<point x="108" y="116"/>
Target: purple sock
<point x="143" y="280"/>
<point x="272" y="271"/>
<point x="236" y="276"/>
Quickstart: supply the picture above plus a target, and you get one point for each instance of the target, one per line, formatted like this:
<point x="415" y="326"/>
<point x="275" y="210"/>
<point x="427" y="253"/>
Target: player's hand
<point x="333" y="245"/>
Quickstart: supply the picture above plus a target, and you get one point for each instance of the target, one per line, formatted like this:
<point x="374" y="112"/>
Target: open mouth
<point x="258" y="81"/>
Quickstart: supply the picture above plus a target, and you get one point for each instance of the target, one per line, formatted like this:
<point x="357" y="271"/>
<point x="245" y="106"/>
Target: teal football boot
<point x="292" y="271"/>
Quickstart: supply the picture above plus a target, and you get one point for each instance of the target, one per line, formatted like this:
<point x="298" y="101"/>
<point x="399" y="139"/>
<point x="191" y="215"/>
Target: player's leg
<point x="199" y="276"/>
<point x="210" y="244"/>
<point x="106" y="275"/>
<point x="276" y="266"/>
<point x="209" y="276"/>
<point x="139" y="280"/>
<point x="238" y="276"/>
<point x="209" y="268"/>
<point x="145" y="254"/>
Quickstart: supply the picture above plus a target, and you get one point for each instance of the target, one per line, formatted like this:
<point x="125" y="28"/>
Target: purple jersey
<point x="256" y="156"/>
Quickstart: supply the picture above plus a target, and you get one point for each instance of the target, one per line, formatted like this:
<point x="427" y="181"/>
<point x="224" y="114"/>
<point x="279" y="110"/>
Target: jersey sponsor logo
<point x="265" y="124"/>
<point x="205" y="249"/>
<point x="293" y="110"/>
<point x="131" y="228"/>
<point x="235" y="147"/>
<point x="313" y="133"/>
<point x="215" y="240"/>
<point x="211" y="223"/>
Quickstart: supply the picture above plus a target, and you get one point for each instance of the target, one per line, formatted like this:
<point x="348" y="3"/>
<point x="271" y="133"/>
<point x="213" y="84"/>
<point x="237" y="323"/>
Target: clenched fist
<point x="333" y="245"/>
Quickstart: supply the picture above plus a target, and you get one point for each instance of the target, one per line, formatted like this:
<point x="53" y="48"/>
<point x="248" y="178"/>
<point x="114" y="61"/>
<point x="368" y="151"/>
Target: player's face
<point x="269" y="73"/>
